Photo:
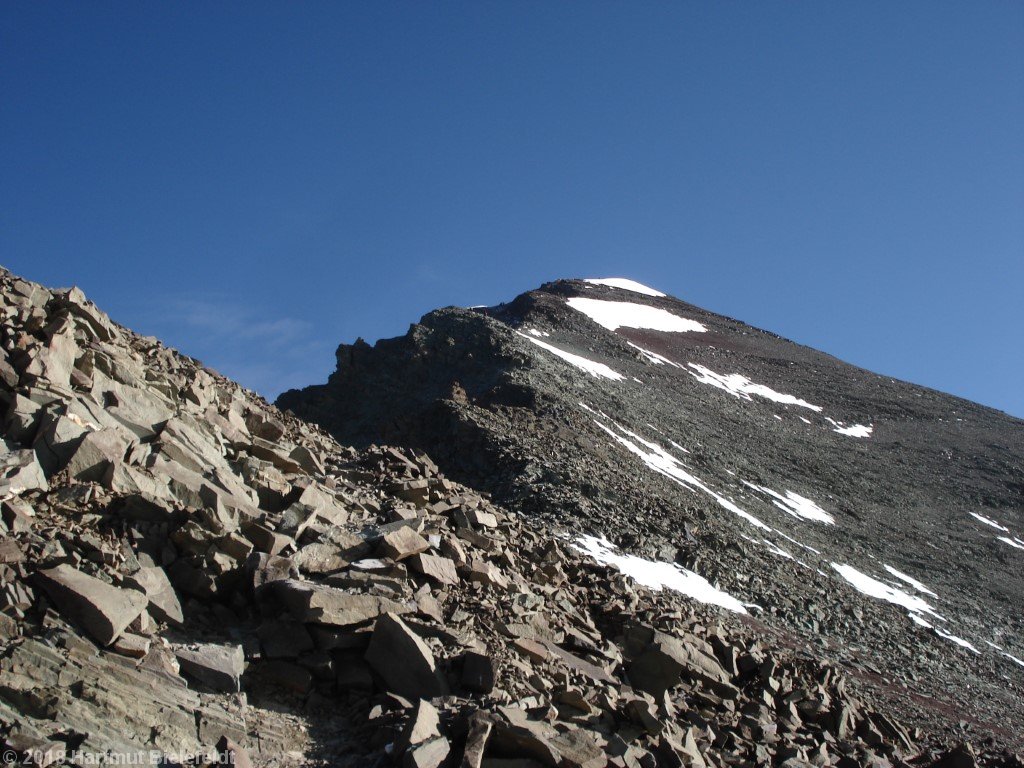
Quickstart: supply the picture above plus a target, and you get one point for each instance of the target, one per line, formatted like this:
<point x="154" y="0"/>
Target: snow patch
<point x="910" y="580"/>
<point x="624" y="314"/>
<point x="880" y="590"/>
<point x="625" y="284"/>
<point x="989" y="521"/>
<point x="657" y="575"/>
<point x="1014" y="542"/>
<point x="856" y="430"/>
<point x="655" y="457"/>
<point x="777" y="550"/>
<point x="954" y="639"/>
<point x="740" y="386"/>
<point x="796" y="505"/>
<point x="597" y="370"/>
<point x="653" y="357"/>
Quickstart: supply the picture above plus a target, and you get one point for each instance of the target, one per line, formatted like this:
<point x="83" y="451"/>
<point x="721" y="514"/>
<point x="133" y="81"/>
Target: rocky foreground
<point x="191" y="574"/>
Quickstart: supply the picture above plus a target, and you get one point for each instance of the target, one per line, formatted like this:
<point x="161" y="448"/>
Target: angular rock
<point x="429" y="755"/>
<point x="284" y="639"/>
<point x="480" y="727"/>
<point x="219" y="667"/>
<point x="103" y="610"/>
<point x="403" y="543"/>
<point x="440" y="569"/>
<point x="232" y="754"/>
<point x="403" y="660"/>
<point x="97" y="452"/>
<point x="664" y="661"/>
<point x="479" y="672"/>
<point x="325" y="605"/>
<point x="423" y="725"/>
<point x="21" y="471"/>
<point x="163" y="600"/>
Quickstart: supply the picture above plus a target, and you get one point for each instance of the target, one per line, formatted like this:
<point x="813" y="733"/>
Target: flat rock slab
<point x="440" y="569"/>
<point x="219" y="667"/>
<point x="21" y="471"/>
<point x="326" y="605"/>
<point x="403" y="543"/>
<point x="103" y="610"/>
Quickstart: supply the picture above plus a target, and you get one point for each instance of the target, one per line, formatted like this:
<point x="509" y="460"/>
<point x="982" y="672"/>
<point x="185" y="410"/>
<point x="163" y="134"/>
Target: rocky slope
<point x="874" y="520"/>
<point x="188" y="575"/>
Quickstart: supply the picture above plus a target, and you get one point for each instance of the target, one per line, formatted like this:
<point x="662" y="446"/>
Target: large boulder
<point x="20" y="471"/>
<point x="219" y="667"/>
<point x="403" y="661"/>
<point x="103" y="610"/>
<point x="320" y="604"/>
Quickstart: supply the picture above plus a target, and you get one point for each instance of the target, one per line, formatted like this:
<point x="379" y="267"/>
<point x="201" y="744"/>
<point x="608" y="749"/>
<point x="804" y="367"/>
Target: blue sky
<point x="255" y="183"/>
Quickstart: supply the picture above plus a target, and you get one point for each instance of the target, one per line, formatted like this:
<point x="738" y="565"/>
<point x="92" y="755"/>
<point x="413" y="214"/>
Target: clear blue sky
<point x="255" y="183"/>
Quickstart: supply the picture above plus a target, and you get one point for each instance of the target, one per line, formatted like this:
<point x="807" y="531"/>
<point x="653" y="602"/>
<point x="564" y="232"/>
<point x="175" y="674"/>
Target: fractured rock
<point x="423" y="725"/>
<point x="321" y="604"/>
<point x="403" y="660"/>
<point x="219" y="667"/>
<point x="97" y="452"/>
<point x="440" y="569"/>
<point x="103" y="610"/>
<point x="403" y="543"/>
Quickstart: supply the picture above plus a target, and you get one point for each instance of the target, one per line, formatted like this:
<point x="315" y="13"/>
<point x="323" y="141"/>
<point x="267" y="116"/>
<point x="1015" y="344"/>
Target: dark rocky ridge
<point x="504" y="415"/>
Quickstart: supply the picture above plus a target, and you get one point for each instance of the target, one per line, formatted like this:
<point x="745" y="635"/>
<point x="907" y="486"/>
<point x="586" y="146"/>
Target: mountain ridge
<point x="495" y="395"/>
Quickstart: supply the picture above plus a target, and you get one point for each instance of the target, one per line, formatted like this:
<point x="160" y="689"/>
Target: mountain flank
<point x="875" y="519"/>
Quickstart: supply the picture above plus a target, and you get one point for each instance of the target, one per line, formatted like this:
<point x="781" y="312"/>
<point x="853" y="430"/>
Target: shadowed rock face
<point x="787" y="477"/>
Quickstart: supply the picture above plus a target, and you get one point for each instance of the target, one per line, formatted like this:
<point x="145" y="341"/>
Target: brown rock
<point x="429" y="755"/>
<point x="403" y="660"/>
<point x="440" y="569"/>
<point x="325" y="605"/>
<point x="423" y="725"/>
<point x="103" y="610"/>
<point x="218" y="666"/>
<point x="403" y="543"/>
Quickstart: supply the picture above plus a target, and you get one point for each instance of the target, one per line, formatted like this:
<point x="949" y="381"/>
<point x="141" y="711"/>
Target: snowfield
<point x="625" y="314"/>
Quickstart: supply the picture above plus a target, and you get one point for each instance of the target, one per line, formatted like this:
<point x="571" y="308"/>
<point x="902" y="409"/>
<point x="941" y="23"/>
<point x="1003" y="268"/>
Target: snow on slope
<point x="657" y="575"/>
<point x="625" y="314"/>
<point x="598" y="370"/>
<point x="742" y="387"/>
<point x="794" y="504"/>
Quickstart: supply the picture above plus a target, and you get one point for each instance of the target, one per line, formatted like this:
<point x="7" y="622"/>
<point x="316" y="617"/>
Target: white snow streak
<point x="740" y="386"/>
<point x="656" y="575"/>
<point x="796" y="505"/>
<point x="625" y="284"/>
<point x="624" y="314"/>
<point x="598" y="370"/>
<point x="989" y="521"/>
<point x="655" y="457"/>
<point x="856" y="430"/>
<point x="880" y="590"/>
<point x="653" y="357"/>
<point x="954" y="639"/>
<point x="910" y="580"/>
<point x="1014" y="542"/>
